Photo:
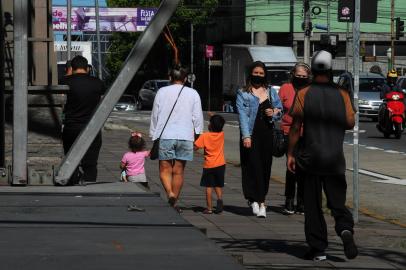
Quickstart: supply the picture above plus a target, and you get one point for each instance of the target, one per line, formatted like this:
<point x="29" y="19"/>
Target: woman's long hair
<point x="248" y="85"/>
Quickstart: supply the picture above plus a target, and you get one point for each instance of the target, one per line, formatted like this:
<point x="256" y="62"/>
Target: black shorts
<point x="213" y="177"/>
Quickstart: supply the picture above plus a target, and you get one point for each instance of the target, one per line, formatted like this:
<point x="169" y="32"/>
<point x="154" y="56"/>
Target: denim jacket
<point x="247" y="106"/>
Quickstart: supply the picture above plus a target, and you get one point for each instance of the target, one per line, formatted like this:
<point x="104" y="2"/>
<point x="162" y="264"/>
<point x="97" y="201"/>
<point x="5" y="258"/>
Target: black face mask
<point x="299" y="83"/>
<point x="257" y="80"/>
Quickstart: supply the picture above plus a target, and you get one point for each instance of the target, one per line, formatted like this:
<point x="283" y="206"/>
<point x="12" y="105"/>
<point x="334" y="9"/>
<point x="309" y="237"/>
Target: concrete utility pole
<point x="20" y="93"/>
<point x="252" y="31"/>
<point x="328" y="17"/>
<point x="356" y="38"/>
<point x="99" y="57"/>
<point x="191" y="51"/>
<point x="291" y="20"/>
<point x="68" y="29"/>
<point x="392" y="33"/>
<point x="307" y="31"/>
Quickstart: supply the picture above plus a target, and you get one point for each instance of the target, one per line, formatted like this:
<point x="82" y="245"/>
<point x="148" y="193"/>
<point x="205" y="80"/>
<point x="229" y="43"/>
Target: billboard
<point x="111" y="19"/>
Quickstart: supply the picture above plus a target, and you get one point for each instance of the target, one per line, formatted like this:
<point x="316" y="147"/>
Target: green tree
<point x="197" y="12"/>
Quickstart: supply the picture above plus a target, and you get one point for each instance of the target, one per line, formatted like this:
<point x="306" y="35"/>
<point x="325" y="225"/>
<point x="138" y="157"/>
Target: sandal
<point x="172" y="201"/>
<point x="207" y="211"/>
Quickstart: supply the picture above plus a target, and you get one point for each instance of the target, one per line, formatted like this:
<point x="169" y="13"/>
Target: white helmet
<point x="322" y="61"/>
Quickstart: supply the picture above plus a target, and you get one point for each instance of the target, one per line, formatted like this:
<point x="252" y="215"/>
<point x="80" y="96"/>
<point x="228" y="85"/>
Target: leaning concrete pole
<point x="131" y="66"/>
<point x="356" y="38"/>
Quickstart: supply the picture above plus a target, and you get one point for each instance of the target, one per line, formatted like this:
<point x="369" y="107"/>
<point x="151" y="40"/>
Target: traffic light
<point x="400" y="27"/>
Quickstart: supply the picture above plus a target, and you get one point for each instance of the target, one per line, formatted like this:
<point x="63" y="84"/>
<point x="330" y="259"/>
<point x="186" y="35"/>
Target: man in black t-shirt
<point x="81" y="101"/>
<point x="325" y="111"/>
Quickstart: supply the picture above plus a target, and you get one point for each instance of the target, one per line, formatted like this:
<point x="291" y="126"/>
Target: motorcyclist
<point x="391" y="78"/>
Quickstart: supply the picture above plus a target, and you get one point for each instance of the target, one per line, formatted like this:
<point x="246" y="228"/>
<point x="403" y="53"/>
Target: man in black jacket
<point x="325" y="111"/>
<point x="81" y="101"/>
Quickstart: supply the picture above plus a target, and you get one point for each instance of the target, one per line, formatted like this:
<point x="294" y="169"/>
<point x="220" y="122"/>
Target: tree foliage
<point x="197" y="12"/>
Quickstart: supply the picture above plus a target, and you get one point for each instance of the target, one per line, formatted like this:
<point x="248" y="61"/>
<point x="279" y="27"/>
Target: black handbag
<point x="154" y="153"/>
<point x="279" y="142"/>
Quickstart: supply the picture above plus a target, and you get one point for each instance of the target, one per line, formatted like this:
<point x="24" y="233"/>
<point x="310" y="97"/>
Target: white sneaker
<point x="255" y="208"/>
<point x="262" y="211"/>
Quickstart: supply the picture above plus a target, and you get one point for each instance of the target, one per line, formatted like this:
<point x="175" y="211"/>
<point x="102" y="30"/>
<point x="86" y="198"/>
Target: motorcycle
<point x="391" y="117"/>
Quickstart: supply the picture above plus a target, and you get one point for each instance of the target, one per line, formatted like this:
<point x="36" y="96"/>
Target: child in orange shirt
<point x="214" y="162"/>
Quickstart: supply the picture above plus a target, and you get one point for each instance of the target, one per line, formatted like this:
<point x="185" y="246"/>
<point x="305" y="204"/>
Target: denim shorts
<point x="175" y="149"/>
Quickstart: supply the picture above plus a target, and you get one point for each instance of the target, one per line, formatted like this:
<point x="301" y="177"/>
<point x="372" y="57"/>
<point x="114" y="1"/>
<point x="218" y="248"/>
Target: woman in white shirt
<point x="176" y="142"/>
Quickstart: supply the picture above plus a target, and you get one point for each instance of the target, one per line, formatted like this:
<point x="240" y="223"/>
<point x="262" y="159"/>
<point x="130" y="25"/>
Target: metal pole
<point x="99" y="57"/>
<point x="356" y="38"/>
<point x="306" y="8"/>
<point x="328" y="17"/>
<point x="392" y="31"/>
<point x="20" y="122"/>
<point x="130" y="68"/>
<point x="252" y="31"/>
<point x="209" y="88"/>
<point x="191" y="52"/>
<point x="68" y="29"/>
<point x="291" y="21"/>
<point x="346" y="46"/>
<point x="2" y="88"/>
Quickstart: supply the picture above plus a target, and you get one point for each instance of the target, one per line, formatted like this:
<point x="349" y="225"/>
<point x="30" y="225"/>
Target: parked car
<point x="126" y="103"/>
<point x="369" y="92"/>
<point x="147" y="93"/>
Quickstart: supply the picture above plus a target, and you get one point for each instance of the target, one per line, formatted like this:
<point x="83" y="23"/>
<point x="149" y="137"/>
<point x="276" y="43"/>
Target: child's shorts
<point x="213" y="177"/>
<point x="139" y="178"/>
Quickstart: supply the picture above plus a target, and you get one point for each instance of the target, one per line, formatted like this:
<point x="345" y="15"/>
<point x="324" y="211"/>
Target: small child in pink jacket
<point x="132" y="163"/>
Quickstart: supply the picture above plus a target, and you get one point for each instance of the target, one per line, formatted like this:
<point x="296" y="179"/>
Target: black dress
<point x="256" y="161"/>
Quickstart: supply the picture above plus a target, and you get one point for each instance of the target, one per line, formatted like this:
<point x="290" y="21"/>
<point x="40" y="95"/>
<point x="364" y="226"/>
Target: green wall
<point x="273" y="16"/>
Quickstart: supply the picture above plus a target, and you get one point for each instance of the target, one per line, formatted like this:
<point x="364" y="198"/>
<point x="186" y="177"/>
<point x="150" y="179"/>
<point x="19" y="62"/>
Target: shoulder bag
<point x="154" y="153"/>
<point x="279" y="142"/>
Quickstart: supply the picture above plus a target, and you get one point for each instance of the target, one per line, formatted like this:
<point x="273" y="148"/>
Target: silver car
<point x="126" y="103"/>
<point x="370" y="85"/>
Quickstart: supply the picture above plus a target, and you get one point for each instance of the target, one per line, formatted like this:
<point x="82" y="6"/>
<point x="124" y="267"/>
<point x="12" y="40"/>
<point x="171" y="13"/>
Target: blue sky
<point x="84" y="3"/>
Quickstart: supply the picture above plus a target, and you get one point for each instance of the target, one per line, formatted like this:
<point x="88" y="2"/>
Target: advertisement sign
<point x="144" y="16"/>
<point x="209" y="51"/>
<point x="111" y="19"/>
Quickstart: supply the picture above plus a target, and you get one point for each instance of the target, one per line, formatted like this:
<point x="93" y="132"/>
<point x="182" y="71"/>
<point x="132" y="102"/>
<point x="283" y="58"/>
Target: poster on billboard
<point x="111" y="19"/>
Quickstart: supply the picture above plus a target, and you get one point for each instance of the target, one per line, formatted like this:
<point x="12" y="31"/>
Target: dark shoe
<point x="172" y="201"/>
<point x="178" y="209"/>
<point x="350" y="249"/>
<point x="289" y="207"/>
<point x="299" y="209"/>
<point x="315" y="255"/>
<point x="219" y="207"/>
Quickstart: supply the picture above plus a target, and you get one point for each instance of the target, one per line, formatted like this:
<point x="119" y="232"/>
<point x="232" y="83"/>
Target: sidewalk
<point x="278" y="242"/>
<point x="100" y="231"/>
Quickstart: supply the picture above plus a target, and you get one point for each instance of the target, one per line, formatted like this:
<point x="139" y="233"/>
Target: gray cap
<point x="322" y="61"/>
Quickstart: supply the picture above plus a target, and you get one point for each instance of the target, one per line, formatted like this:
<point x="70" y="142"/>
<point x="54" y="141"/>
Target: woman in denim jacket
<point x="259" y="107"/>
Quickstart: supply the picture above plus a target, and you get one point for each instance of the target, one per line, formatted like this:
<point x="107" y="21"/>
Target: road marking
<point x="385" y="179"/>
<point x="392" y="151"/>
<point x="401" y="182"/>
<point x="374" y="148"/>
